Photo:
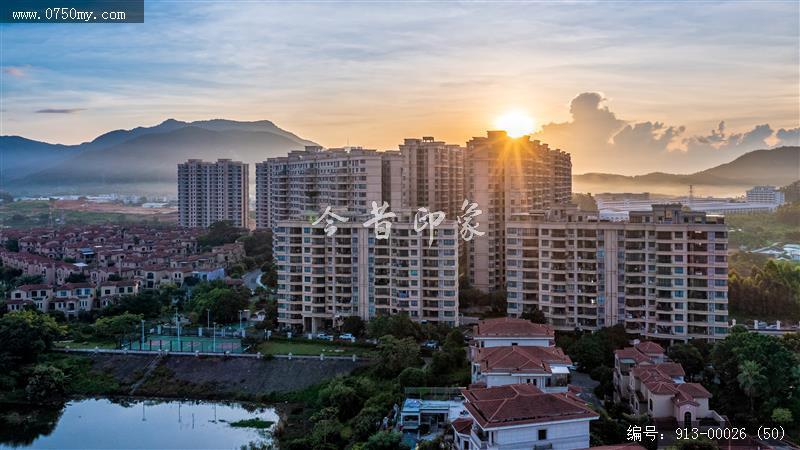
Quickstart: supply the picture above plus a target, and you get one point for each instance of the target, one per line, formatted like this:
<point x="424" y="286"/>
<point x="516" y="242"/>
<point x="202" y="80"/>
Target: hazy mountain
<point x="779" y="166"/>
<point x="20" y="156"/>
<point x="139" y="160"/>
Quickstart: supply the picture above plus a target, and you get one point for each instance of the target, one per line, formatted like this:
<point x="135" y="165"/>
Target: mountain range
<point x="778" y="167"/>
<point x="143" y="161"/>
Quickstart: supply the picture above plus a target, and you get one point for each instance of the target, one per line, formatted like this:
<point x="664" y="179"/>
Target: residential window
<point x="542" y="434"/>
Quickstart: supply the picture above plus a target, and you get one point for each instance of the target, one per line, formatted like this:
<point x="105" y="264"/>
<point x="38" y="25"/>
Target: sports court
<point x="188" y="344"/>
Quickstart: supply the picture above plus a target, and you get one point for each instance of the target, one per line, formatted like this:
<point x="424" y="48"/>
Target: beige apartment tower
<point x="303" y="183"/>
<point x="324" y="279"/>
<point x="506" y="176"/>
<point x="663" y="274"/>
<point x="433" y="175"/>
<point x="210" y="192"/>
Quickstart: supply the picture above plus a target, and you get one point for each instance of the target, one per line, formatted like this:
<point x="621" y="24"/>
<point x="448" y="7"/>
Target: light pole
<point x="240" y="322"/>
<point x="141" y="347"/>
<point x="214" y="340"/>
<point x="208" y="318"/>
<point x="178" y="326"/>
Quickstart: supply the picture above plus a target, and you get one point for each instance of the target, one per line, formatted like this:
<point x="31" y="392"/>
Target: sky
<point x="625" y="87"/>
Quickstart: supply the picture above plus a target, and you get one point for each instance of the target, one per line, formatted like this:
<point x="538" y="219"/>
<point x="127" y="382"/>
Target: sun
<point x="515" y="123"/>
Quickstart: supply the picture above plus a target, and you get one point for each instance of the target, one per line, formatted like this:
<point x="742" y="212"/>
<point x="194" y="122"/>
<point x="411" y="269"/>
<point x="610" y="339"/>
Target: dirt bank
<point x="216" y="377"/>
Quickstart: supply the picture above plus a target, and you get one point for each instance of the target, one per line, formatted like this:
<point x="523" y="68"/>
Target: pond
<point x="140" y="424"/>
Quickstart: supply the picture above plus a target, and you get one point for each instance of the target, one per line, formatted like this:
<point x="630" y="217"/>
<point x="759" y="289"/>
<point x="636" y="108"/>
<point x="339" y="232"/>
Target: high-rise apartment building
<point x="663" y="273"/>
<point x="506" y="176"/>
<point x="433" y="175"/>
<point x="324" y="279"/>
<point x="209" y="192"/>
<point x="305" y="182"/>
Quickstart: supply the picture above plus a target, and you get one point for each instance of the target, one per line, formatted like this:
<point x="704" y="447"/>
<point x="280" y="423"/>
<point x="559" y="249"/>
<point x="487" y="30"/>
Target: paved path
<point x="252" y="279"/>
<point x="587" y="385"/>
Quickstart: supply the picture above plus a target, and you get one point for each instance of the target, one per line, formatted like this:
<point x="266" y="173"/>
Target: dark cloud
<point x="60" y="110"/>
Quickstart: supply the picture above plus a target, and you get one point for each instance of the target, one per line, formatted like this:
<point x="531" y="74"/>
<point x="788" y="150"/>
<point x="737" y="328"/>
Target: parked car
<point x="347" y="337"/>
<point x="325" y="337"/>
<point x="431" y="344"/>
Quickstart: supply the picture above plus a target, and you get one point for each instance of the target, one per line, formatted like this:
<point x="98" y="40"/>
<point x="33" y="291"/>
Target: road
<point x="251" y="279"/>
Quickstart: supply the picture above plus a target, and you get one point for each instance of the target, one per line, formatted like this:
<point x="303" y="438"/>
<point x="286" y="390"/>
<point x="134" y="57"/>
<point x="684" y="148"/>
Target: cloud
<point x="788" y="137"/>
<point x="16" y="71"/>
<point x="60" y="110"/>
<point x="599" y="141"/>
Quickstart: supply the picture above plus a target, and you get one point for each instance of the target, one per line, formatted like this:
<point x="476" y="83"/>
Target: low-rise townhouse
<point x="651" y="385"/>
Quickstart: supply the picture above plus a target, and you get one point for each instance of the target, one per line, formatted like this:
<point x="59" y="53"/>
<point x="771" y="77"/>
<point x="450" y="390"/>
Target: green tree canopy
<point x="118" y="326"/>
<point x="26" y="334"/>
<point x="394" y="355"/>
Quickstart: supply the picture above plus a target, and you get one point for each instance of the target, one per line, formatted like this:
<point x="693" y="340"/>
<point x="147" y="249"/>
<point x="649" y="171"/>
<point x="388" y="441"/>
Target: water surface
<point x="140" y="424"/>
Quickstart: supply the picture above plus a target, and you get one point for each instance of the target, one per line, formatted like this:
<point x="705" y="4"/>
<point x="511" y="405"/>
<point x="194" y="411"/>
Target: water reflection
<point x="140" y="424"/>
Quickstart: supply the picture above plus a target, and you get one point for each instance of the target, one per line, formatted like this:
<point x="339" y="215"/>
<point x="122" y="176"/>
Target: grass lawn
<point x="306" y="347"/>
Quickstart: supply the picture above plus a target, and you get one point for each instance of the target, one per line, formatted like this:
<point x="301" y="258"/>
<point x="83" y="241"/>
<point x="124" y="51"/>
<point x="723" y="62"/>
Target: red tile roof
<point x="462" y="426"/>
<point x="511" y="327"/>
<point x="650" y="348"/>
<point x="520" y="359"/>
<point x="521" y="404"/>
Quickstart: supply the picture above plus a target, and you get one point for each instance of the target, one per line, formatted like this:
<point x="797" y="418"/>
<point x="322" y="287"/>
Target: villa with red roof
<point x="507" y="331"/>
<point x="521" y="416"/>
<point x="653" y="386"/>
<point x="544" y="367"/>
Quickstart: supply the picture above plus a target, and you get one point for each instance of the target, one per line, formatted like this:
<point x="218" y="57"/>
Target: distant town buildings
<point x="765" y="194"/>
<point x="760" y="199"/>
<point x="505" y="176"/>
<point x="663" y="273"/>
<point x="114" y="261"/>
<point x="324" y="279"/>
<point x="210" y="192"/>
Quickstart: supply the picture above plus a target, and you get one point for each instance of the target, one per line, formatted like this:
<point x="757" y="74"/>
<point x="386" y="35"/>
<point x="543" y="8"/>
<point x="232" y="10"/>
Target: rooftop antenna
<point x="691" y="195"/>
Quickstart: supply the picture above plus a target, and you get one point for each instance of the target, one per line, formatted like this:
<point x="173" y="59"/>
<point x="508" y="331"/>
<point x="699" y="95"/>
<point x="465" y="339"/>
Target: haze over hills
<point x="143" y="161"/>
<point x="778" y="166"/>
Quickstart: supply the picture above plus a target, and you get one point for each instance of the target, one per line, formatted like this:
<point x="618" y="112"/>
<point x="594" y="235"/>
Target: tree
<point x="772" y="357"/>
<point x="385" y="440"/>
<point x="28" y="279"/>
<point x="27" y="334"/>
<point x="397" y="325"/>
<point x="76" y="278"/>
<point x="223" y="302"/>
<point x="12" y="244"/>
<point x="117" y="326"/>
<point x="412" y="377"/>
<point x="688" y="356"/>
<point x="219" y="233"/>
<point x="394" y="355"/>
<point x="46" y="384"/>
<point x="750" y="379"/>
<point x="147" y="304"/>
<point x="782" y="416"/>
<point x="535" y="315"/>
<point x="353" y="325"/>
